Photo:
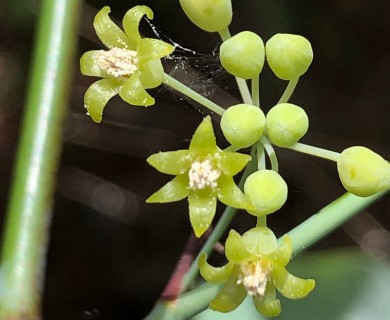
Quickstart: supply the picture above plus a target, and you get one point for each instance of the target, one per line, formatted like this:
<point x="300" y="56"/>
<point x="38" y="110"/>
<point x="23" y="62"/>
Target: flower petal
<point x="260" y="241"/>
<point x="235" y="249"/>
<point x="232" y="163"/>
<point x="89" y="67"/>
<point x="268" y="305"/>
<point x="231" y="195"/>
<point x="97" y="96"/>
<point x="150" y="49"/>
<point x="291" y="286"/>
<point x="230" y="296"/>
<point x="132" y="19"/>
<point x="152" y="74"/>
<point x="174" y="190"/>
<point x="108" y="32"/>
<point x="203" y="140"/>
<point x="213" y="274"/>
<point x="202" y="207"/>
<point x="283" y="254"/>
<point x="134" y="93"/>
<point x="172" y="162"/>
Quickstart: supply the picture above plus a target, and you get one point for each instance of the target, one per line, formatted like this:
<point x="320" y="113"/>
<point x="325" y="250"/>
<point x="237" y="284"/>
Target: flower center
<point x="118" y="62"/>
<point x="202" y="175"/>
<point x="254" y="276"/>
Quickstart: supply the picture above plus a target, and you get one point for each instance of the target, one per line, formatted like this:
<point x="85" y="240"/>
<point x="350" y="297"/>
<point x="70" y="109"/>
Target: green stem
<point x="289" y="90"/>
<point x="260" y="156"/>
<point x="177" y="85"/>
<point x="327" y="219"/>
<point x="225" y="34"/>
<point x="219" y="229"/>
<point x="256" y="91"/>
<point x="315" y="151"/>
<point x="242" y="86"/>
<point x="271" y="153"/>
<point x="261" y="221"/>
<point x="29" y="212"/>
<point x="185" y="307"/>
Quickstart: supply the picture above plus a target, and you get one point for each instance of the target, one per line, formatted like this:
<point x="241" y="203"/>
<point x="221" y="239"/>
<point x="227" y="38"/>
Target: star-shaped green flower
<point x="131" y="65"/>
<point x="203" y="174"/>
<point x="256" y="267"/>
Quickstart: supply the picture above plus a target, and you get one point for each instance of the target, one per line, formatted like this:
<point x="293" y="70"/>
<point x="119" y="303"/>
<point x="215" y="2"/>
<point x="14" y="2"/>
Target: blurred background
<point x="111" y="254"/>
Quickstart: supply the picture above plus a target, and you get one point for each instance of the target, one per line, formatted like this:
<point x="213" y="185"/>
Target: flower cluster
<point x="204" y="173"/>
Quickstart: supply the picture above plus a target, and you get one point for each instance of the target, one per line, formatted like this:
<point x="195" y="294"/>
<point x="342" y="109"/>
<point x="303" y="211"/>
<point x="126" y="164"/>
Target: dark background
<point x="111" y="254"/>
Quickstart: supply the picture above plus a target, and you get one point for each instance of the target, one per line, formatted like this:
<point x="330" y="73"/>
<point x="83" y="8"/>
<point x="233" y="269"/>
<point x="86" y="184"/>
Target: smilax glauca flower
<point x="256" y="267"/>
<point x="204" y="173"/>
<point x="131" y="65"/>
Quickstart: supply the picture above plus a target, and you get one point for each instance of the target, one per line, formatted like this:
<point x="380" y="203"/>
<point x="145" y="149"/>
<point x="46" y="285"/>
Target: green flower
<point x="203" y="174"/>
<point x="256" y="267"/>
<point x="131" y="65"/>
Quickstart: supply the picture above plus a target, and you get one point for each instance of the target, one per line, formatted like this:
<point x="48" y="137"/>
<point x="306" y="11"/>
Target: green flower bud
<point x="286" y="124"/>
<point x="243" y="125"/>
<point x="288" y="55"/>
<point x="266" y="190"/>
<point x="243" y="55"/>
<point x="363" y="172"/>
<point x="209" y="15"/>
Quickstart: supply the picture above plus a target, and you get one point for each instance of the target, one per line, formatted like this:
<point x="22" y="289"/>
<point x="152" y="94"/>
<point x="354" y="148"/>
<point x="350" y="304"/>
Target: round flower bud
<point x="286" y="124"/>
<point x="266" y="190"/>
<point x="363" y="172"/>
<point x="243" y="125"/>
<point x="288" y="55"/>
<point x="209" y="15"/>
<point x="243" y="55"/>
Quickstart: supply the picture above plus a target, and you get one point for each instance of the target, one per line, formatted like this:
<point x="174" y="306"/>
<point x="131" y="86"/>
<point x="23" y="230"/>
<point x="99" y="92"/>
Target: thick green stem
<point x="328" y="219"/>
<point x="289" y="90"/>
<point x="29" y="213"/>
<point x="177" y="85"/>
<point x="187" y="306"/>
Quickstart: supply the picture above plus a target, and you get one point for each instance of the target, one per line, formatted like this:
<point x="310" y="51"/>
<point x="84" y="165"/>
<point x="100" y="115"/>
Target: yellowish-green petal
<point x="230" y="296"/>
<point x="230" y="194"/>
<point x="108" y="32"/>
<point x="172" y="162"/>
<point x="132" y="19"/>
<point x="282" y="255"/>
<point x="232" y="163"/>
<point x="291" y="286"/>
<point x="203" y="140"/>
<point x="260" y="241"/>
<point x="152" y="74"/>
<point x="134" y="93"/>
<point x="150" y="49"/>
<point x="174" y="190"/>
<point x="97" y="96"/>
<point x="235" y="249"/>
<point x="268" y="305"/>
<point x="202" y="206"/>
<point x="214" y="274"/>
<point x="89" y="66"/>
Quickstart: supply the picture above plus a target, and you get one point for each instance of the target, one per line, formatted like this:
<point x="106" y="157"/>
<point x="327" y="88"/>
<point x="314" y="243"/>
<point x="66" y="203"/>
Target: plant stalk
<point x="29" y="212"/>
